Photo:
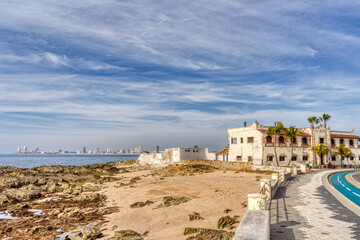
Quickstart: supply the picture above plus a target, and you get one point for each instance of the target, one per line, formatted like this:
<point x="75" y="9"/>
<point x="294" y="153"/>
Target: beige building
<point x="255" y="143"/>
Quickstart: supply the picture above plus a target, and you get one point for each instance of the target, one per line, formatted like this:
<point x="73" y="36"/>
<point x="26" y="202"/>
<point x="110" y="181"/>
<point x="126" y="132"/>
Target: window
<point x="250" y="158"/>
<point x="269" y="139"/>
<point x="305" y="158"/>
<point x="241" y="140"/>
<point x="293" y="140"/>
<point x="282" y="158"/>
<point x="343" y="158"/>
<point x="293" y="158"/>
<point x="333" y="158"/>
<point x="269" y="158"/>
<point x="341" y="141"/>
<point x="233" y="140"/>
<point x="187" y="150"/>
<point x="351" y="158"/>
<point x="321" y="140"/>
<point x="332" y="142"/>
<point x="304" y="140"/>
<point x="281" y="139"/>
<point x="359" y="158"/>
<point x="351" y="142"/>
<point x="238" y="158"/>
<point x="250" y="139"/>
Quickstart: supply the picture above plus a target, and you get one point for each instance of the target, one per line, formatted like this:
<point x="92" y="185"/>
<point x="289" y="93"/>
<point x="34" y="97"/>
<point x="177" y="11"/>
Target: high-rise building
<point x="140" y="149"/>
<point x="18" y="149"/>
<point x="108" y="150"/>
<point x="136" y="150"/>
<point x="84" y="150"/>
<point x="157" y="149"/>
<point x="96" y="150"/>
<point x="25" y="149"/>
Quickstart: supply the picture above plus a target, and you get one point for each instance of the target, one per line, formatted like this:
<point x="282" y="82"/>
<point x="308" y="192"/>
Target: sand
<point x="209" y="194"/>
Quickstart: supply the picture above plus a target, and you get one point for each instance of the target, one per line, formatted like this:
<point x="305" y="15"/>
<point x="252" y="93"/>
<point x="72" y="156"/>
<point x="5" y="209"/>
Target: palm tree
<point x="325" y="118"/>
<point x="313" y="120"/>
<point x="292" y="133"/>
<point x="321" y="149"/>
<point x="276" y="130"/>
<point x="342" y="151"/>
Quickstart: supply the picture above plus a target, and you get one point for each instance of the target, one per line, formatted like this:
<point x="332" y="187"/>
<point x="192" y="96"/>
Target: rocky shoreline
<point x="113" y="200"/>
<point x="45" y="202"/>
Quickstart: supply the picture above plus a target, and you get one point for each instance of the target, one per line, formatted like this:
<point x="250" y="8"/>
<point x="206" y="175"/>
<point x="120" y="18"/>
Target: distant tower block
<point x="157" y="149"/>
<point x="18" y="149"/>
<point x="84" y="150"/>
<point x="108" y="150"/>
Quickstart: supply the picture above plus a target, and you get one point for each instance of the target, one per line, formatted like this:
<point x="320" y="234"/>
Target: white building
<point x="171" y="155"/>
<point x="255" y="143"/>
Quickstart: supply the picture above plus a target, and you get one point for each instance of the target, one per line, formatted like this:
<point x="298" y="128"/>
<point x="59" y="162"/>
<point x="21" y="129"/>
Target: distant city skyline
<point x="173" y="74"/>
<point x="27" y="150"/>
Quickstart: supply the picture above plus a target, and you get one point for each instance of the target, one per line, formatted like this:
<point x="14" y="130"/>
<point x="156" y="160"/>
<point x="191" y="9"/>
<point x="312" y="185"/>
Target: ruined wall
<point x="175" y="155"/>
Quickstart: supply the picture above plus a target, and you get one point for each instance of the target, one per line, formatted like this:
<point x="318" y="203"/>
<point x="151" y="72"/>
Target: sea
<point x="32" y="160"/>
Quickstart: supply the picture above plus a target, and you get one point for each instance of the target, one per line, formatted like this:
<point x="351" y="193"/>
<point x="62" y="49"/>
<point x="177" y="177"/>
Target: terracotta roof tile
<point x="223" y="152"/>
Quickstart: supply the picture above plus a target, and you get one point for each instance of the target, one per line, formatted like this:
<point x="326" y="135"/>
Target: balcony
<point x="269" y="144"/>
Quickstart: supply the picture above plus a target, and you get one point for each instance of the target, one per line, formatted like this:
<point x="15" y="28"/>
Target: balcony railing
<point x="269" y="144"/>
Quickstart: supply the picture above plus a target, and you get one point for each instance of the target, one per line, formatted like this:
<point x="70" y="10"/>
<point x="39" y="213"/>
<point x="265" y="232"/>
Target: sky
<point x="120" y="74"/>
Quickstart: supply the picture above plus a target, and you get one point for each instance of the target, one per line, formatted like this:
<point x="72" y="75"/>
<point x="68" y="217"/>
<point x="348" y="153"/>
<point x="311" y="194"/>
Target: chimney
<point x="244" y="124"/>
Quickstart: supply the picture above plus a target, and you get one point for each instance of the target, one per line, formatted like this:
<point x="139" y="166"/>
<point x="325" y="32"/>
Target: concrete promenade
<point x="304" y="209"/>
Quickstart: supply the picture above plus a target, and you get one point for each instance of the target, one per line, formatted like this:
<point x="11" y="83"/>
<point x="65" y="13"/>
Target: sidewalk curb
<point x="341" y="198"/>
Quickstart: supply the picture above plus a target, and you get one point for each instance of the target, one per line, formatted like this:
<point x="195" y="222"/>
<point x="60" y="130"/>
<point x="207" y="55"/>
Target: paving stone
<point x="304" y="209"/>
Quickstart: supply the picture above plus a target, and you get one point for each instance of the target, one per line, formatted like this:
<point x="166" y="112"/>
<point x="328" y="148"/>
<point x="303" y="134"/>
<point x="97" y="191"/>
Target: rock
<point x="90" y="233"/>
<point x="141" y="204"/>
<point x="195" y="216"/>
<point x="226" y="221"/>
<point x="88" y="197"/>
<point x="127" y="235"/>
<point x="208" y="234"/>
<point x="25" y="193"/>
<point x="76" y="238"/>
<point x="227" y="210"/>
<point x="169" y="201"/>
<point x="113" y="228"/>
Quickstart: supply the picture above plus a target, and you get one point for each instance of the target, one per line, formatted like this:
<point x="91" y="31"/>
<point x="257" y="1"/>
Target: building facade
<point x="255" y="143"/>
<point x="174" y="155"/>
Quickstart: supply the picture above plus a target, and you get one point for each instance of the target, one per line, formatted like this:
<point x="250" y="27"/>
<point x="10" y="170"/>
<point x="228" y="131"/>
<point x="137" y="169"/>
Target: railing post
<point x="265" y="185"/>
<point x="257" y="201"/>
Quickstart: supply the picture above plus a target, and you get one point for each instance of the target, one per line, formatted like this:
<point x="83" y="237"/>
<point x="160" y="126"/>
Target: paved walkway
<point x="304" y="209"/>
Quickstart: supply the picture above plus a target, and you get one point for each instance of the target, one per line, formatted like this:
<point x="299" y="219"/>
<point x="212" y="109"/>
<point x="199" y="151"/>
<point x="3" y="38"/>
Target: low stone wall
<point x="255" y="224"/>
<point x="220" y="164"/>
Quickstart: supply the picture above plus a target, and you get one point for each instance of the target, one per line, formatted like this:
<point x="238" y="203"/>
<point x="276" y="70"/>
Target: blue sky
<point x="172" y="73"/>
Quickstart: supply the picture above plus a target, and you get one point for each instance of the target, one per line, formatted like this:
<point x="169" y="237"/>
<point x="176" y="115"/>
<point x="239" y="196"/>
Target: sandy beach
<point x="208" y="194"/>
<point x="125" y="200"/>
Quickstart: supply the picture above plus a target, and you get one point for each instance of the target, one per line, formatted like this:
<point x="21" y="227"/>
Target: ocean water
<point x="29" y="160"/>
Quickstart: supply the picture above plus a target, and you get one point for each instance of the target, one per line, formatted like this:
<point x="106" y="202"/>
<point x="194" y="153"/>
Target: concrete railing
<point x="255" y="224"/>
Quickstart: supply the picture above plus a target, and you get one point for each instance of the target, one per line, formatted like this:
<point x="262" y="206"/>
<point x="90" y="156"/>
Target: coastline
<point x="102" y="195"/>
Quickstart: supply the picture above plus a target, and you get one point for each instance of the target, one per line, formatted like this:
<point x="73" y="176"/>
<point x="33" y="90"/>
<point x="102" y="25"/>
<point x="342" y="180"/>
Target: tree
<point x="342" y="151"/>
<point x="276" y="130"/>
<point x="325" y="118"/>
<point x="321" y="149"/>
<point x="292" y="133"/>
<point x="313" y="120"/>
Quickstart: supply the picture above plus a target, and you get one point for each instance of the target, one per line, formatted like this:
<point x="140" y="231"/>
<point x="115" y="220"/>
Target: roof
<point x="223" y="152"/>
<point x="268" y="132"/>
<point x="344" y="136"/>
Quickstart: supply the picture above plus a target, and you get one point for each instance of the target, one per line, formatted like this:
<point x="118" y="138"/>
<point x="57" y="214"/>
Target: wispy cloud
<point x="129" y="70"/>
